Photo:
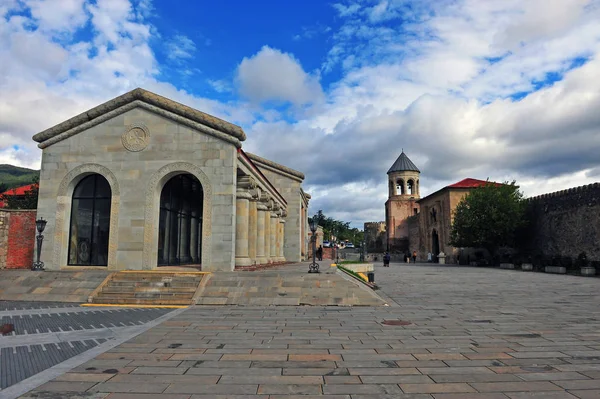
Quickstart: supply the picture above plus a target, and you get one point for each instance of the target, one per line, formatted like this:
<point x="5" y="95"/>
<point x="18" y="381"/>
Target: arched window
<point x="180" y="221"/>
<point x="411" y="187"/>
<point x="90" y="222"/>
<point x="400" y="187"/>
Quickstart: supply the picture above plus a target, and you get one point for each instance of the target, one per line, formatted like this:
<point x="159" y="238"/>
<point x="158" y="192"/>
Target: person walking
<point x="320" y="253"/>
<point x="414" y="256"/>
<point x="386" y="260"/>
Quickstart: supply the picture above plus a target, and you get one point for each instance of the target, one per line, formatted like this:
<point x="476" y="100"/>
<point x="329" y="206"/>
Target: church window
<point x="180" y="221"/>
<point x="90" y="222"/>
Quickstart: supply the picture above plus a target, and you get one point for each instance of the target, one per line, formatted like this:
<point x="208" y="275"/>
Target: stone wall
<point x="17" y="238"/>
<point x="565" y="223"/>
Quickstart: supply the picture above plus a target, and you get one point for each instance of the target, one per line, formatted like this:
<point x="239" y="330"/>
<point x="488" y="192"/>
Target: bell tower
<point x="403" y="184"/>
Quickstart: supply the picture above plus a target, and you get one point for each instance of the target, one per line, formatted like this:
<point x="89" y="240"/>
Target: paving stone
<point x="218" y="389"/>
<point x="586" y="394"/>
<point x="142" y="387"/>
<point x="293" y="389"/>
<point x="436" y="388"/>
<point x="514" y="386"/>
<point x="353" y="389"/>
<point x="68" y="386"/>
<point x="541" y="395"/>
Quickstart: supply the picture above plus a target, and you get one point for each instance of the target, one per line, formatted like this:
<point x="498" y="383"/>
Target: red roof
<point x="471" y="183"/>
<point x="19" y="190"/>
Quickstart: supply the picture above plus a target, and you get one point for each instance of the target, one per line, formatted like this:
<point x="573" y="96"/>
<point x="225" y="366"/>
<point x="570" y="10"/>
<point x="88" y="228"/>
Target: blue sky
<point x="503" y="89"/>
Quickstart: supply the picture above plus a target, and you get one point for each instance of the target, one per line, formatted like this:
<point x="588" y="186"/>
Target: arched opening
<point x="392" y="193"/>
<point x="90" y="222"/>
<point x="400" y="187"/>
<point x="435" y="244"/>
<point x="411" y="187"/>
<point x="418" y="190"/>
<point x="180" y="222"/>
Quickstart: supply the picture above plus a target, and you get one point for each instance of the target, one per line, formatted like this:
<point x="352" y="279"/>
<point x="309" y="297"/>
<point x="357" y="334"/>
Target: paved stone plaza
<point x="474" y="333"/>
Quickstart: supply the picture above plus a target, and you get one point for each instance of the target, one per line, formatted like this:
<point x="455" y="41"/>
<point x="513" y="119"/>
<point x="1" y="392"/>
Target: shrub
<point x="582" y="260"/>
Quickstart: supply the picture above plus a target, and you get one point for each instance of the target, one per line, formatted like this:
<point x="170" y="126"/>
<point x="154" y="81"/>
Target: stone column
<point x="242" y="206"/>
<point x="253" y="230"/>
<point x="260" y="234"/>
<point x="268" y="236"/>
<point x="281" y="239"/>
<point x="273" y="237"/>
<point x="194" y="239"/>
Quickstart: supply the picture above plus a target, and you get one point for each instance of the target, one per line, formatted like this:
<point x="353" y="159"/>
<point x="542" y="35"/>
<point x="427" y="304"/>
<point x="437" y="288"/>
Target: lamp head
<point x="40" y="224"/>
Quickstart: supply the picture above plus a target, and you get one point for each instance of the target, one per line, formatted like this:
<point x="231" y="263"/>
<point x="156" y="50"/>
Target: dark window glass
<point x="90" y="222"/>
<point x="180" y="221"/>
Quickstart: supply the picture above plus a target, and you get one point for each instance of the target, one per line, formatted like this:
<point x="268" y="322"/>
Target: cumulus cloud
<point x="272" y="75"/>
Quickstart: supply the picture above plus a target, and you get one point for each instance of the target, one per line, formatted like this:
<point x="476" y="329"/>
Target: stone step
<point x="156" y="278"/>
<point x="156" y="284"/>
<point x="152" y="288"/>
<point x="143" y="301"/>
<point x="145" y="295"/>
<point x="120" y="289"/>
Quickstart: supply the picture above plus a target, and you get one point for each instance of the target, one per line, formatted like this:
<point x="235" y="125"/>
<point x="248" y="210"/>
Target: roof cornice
<point x="139" y="98"/>
<point x="275" y="167"/>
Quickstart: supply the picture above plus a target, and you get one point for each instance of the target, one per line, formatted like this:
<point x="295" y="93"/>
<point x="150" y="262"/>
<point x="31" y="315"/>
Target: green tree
<point x="27" y="201"/>
<point x="488" y="217"/>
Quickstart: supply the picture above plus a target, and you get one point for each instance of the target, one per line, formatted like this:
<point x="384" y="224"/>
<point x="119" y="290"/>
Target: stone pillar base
<point x="261" y="261"/>
<point x="243" y="262"/>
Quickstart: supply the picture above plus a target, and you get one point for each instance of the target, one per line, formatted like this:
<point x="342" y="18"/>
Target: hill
<point x="13" y="176"/>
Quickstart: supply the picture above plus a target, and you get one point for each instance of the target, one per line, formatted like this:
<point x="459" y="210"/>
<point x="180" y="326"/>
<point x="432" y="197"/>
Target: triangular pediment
<point x="144" y="99"/>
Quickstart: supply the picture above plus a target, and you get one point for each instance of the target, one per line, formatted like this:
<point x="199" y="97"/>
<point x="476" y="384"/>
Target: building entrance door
<point x="435" y="245"/>
<point x="180" y="222"/>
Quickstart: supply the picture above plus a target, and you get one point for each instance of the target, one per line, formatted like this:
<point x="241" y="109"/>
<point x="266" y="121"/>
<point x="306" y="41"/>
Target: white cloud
<point x="180" y="47"/>
<point x="67" y="17"/>
<point x="271" y="75"/>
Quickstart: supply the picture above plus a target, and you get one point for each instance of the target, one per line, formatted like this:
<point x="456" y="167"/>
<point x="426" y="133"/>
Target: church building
<point x="421" y="224"/>
<point x="142" y="182"/>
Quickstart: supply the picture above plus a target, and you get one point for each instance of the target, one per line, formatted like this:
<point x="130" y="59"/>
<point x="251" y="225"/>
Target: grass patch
<point x="352" y="273"/>
<point x="351" y="262"/>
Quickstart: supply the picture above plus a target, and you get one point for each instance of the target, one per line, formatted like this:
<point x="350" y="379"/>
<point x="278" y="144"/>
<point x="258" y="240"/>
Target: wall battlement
<point x="565" y="222"/>
<point x="594" y="187"/>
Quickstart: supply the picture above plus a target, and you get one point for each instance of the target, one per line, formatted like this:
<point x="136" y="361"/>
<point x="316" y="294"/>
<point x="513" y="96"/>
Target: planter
<point x="507" y="265"/>
<point x="555" y="269"/>
<point x="588" y="271"/>
<point x="527" y="267"/>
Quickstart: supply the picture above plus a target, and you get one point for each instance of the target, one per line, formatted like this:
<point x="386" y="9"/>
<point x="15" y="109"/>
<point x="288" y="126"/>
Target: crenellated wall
<point x="565" y="222"/>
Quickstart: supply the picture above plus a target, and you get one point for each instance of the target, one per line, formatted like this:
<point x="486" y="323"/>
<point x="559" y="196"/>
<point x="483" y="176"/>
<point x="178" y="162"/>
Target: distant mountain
<point x="13" y="176"/>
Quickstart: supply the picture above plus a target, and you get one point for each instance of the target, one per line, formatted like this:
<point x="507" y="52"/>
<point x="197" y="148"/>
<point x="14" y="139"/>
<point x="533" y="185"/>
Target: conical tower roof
<point x="403" y="164"/>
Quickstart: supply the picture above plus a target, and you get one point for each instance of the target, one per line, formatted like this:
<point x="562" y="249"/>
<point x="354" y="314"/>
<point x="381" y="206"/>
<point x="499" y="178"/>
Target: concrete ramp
<point x="286" y="286"/>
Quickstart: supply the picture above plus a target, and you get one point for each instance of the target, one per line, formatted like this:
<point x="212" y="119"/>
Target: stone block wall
<point x="17" y="238"/>
<point x="565" y="223"/>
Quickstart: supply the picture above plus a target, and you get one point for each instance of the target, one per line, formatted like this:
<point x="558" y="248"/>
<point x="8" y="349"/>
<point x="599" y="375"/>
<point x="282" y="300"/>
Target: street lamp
<point x="40" y="224"/>
<point x="314" y="225"/>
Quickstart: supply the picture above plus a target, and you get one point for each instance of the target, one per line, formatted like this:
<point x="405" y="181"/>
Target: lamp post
<point x="314" y="266"/>
<point x="40" y="224"/>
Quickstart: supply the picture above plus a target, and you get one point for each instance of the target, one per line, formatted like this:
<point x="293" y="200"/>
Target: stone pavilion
<point x="142" y="182"/>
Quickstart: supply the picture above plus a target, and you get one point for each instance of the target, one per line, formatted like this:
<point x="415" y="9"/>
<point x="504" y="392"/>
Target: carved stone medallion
<point x="136" y="137"/>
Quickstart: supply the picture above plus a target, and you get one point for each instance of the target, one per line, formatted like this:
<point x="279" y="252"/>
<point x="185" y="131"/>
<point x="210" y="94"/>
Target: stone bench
<point x="555" y="269"/>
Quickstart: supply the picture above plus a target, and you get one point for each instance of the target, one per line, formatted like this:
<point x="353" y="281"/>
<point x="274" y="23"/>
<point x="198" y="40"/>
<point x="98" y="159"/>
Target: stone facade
<point x="375" y="236"/>
<point x="430" y="229"/>
<point x="17" y="238"/>
<point x="565" y="223"/>
<point x="138" y="142"/>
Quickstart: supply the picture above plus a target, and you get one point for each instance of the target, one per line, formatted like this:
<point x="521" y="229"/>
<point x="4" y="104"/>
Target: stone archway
<point x="152" y="211"/>
<point x="63" y="212"/>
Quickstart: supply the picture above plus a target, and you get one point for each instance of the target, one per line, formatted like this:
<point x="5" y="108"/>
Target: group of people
<point x="407" y="256"/>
